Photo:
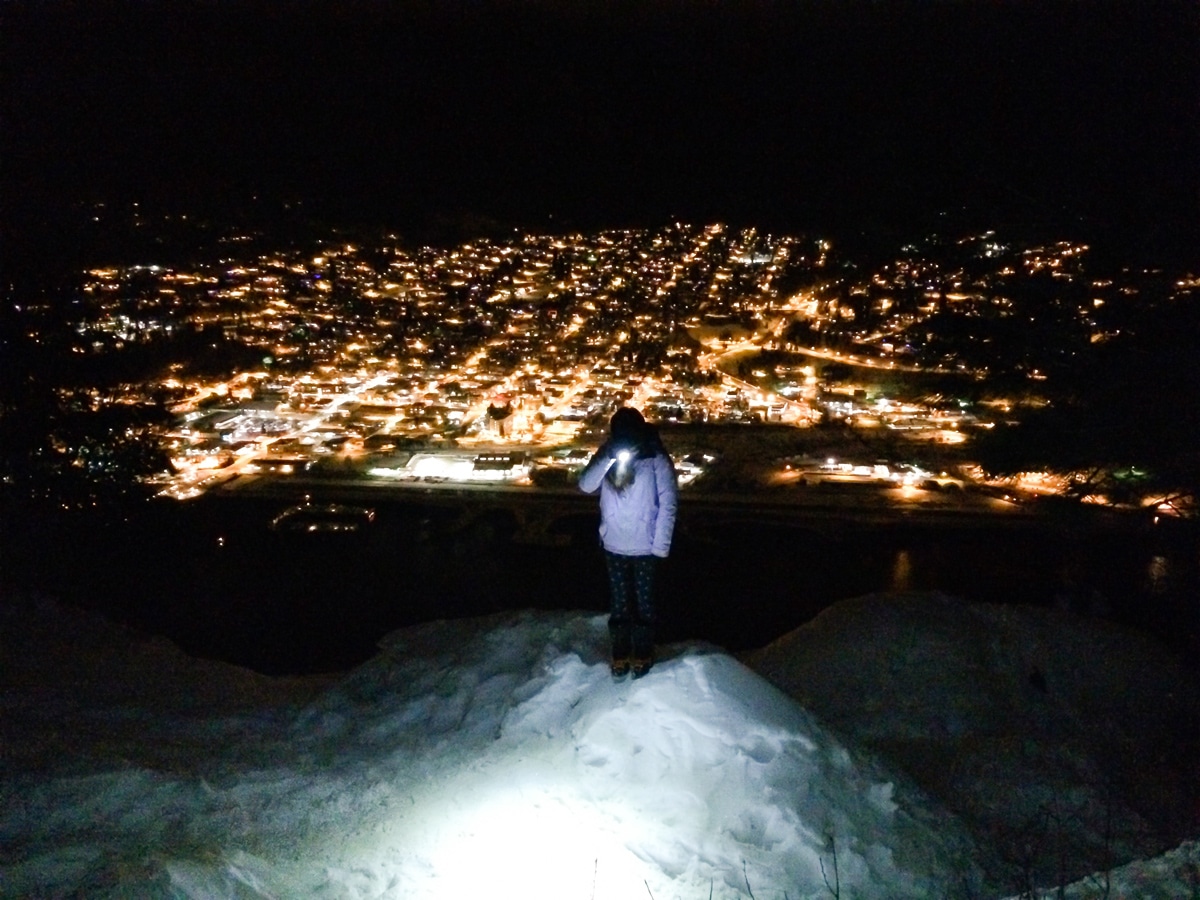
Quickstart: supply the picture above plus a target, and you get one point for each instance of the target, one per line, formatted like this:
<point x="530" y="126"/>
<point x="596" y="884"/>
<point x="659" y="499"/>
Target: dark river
<point x="213" y="576"/>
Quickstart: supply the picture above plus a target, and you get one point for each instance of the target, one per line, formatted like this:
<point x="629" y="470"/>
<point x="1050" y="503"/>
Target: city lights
<point x="527" y="344"/>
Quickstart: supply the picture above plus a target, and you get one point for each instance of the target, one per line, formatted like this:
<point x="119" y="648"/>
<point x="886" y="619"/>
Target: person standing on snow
<point x="639" y="496"/>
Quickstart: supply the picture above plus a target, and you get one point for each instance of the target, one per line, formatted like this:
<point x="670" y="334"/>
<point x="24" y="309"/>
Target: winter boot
<point x="622" y="646"/>
<point x="643" y="648"/>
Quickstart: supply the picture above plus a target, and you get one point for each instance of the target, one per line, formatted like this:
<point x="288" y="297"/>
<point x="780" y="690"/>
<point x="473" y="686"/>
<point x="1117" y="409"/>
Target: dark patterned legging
<point x="632" y="616"/>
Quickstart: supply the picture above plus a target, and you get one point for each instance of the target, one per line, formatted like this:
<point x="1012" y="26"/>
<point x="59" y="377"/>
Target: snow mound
<point x="1065" y="743"/>
<point x="498" y="757"/>
<point x="78" y="691"/>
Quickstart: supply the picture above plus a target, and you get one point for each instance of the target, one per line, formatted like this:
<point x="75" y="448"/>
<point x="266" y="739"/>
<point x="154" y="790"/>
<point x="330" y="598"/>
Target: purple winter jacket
<point x="639" y="519"/>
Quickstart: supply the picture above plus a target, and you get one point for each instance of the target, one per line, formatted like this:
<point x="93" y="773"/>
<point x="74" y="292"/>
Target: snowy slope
<point x="495" y="758"/>
<point x="1175" y="875"/>
<point x="1068" y="744"/>
<point x="482" y="758"/>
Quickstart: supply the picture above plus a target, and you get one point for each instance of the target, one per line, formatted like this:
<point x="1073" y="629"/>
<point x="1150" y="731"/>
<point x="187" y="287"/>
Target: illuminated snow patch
<point x="491" y="758"/>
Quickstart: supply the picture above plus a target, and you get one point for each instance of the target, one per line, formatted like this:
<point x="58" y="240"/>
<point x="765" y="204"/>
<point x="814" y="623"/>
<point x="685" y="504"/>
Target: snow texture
<point x="489" y="757"/>
<point x="1065" y="743"/>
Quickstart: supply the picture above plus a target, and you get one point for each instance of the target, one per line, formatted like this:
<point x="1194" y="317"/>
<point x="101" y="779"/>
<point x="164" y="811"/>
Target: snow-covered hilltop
<point x="487" y="757"/>
<point x="1068" y="744"/>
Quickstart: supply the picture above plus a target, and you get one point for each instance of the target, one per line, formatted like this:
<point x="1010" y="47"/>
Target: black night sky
<point x="855" y="118"/>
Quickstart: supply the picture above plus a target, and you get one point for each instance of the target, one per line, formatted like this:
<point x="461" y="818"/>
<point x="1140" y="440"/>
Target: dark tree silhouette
<point x="1127" y="416"/>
